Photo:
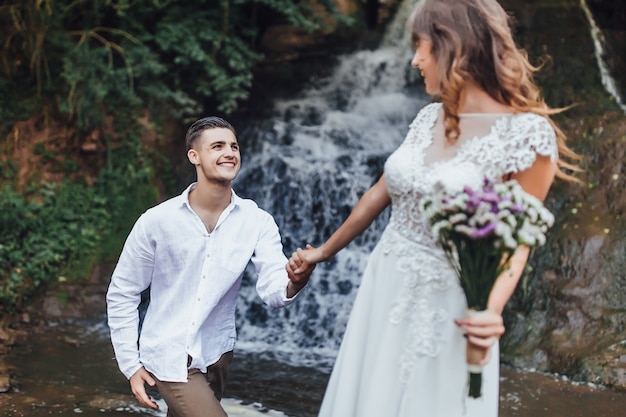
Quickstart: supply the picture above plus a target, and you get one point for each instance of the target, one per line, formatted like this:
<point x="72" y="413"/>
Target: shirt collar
<point x="235" y="200"/>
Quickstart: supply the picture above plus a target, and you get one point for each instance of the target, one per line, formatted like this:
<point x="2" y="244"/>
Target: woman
<point x="403" y="352"/>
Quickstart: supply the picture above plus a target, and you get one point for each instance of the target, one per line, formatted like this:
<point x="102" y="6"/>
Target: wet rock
<point x="72" y="341"/>
<point x="77" y="301"/>
<point x="5" y="337"/>
<point x="608" y="368"/>
<point x="5" y="377"/>
<point x="110" y="402"/>
<point x="5" y="383"/>
<point x="25" y="318"/>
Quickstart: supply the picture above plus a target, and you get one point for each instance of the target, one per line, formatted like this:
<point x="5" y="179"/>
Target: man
<point x="191" y="251"/>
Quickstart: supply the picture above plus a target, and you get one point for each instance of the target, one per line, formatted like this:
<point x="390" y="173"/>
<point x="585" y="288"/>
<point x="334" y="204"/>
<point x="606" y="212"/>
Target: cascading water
<point x="601" y="58"/>
<point x="308" y="165"/>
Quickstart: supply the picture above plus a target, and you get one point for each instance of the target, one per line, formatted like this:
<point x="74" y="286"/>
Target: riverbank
<point x="61" y="303"/>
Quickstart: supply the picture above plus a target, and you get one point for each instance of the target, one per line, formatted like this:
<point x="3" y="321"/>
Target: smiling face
<point x="424" y="61"/>
<point x="216" y="156"/>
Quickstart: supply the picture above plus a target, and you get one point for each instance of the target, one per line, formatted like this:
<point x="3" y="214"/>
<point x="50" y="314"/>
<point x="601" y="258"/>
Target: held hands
<point x="137" y="381"/>
<point x="305" y="260"/>
<point x="299" y="273"/>
<point x="299" y="268"/>
<point x="482" y="331"/>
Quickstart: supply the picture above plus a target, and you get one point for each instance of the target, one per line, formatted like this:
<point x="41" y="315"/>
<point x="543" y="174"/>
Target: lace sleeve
<point x="422" y="124"/>
<point x="530" y="134"/>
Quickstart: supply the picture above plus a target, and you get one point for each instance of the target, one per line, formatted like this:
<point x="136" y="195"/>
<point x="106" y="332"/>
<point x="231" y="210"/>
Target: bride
<point x="404" y="350"/>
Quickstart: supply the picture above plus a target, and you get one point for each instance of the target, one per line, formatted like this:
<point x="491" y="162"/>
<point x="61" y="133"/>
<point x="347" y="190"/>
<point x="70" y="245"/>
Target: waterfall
<point x="598" y="45"/>
<point x="308" y="164"/>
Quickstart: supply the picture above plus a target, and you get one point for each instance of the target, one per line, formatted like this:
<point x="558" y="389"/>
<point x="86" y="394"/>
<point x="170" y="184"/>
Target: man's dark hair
<point x="199" y="126"/>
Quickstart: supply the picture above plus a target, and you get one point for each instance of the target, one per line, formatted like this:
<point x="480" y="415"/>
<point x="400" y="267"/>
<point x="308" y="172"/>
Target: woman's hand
<point x="482" y="330"/>
<point x="305" y="259"/>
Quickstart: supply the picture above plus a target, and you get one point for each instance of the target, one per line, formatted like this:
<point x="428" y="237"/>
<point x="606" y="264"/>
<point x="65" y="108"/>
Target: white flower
<point x="442" y="224"/>
<point x="464" y="229"/>
<point x="502" y="229"/>
<point x="533" y="214"/>
<point x="541" y="239"/>
<point x="483" y="216"/>
<point x="509" y="242"/>
<point x="504" y="204"/>
<point x="503" y="213"/>
<point x="546" y="216"/>
<point x="458" y="218"/>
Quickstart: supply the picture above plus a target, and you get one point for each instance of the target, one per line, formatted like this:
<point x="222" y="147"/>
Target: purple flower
<point x="474" y="199"/>
<point x="468" y="190"/>
<point x="491" y="197"/>
<point x="484" y="231"/>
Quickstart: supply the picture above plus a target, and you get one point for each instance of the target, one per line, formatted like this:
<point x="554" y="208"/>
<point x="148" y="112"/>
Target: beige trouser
<point x="200" y="396"/>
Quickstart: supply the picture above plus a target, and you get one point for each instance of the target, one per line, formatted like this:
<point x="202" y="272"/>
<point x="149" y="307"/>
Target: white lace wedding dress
<point x="402" y="355"/>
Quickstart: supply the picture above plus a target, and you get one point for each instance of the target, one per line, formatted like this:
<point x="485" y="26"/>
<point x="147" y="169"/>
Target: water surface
<point x="70" y="370"/>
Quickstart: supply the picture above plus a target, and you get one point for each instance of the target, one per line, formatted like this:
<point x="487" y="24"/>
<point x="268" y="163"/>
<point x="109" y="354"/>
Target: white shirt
<point x="194" y="278"/>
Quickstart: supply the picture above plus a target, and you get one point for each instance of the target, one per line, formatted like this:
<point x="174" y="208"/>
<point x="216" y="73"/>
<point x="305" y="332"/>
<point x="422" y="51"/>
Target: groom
<point x="191" y="251"/>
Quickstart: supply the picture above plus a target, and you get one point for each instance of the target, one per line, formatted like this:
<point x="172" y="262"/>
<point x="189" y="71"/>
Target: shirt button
<point x="198" y="299"/>
<point x="208" y="255"/>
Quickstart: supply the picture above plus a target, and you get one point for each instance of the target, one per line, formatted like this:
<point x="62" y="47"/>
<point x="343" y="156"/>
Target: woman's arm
<point x="485" y="330"/>
<point x="371" y="204"/>
<point x="536" y="181"/>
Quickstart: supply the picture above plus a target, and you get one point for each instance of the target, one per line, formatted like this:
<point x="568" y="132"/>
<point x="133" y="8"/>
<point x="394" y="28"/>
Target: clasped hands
<point x="299" y="268"/>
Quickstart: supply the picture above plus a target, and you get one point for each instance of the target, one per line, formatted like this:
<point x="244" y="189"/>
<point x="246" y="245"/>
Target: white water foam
<point x="598" y="46"/>
<point x="233" y="408"/>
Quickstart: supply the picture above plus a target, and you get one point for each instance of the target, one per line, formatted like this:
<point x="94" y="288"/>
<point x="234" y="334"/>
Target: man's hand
<point x="298" y="280"/>
<point x="137" y="381"/>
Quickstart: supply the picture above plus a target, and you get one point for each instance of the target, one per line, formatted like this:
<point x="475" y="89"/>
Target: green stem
<point x="475" y="384"/>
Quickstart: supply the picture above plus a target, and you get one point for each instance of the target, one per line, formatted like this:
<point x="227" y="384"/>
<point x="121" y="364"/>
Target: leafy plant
<point x="58" y="232"/>
<point x="101" y="57"/>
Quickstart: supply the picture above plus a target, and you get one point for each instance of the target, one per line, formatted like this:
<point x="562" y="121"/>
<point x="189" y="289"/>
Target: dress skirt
<point x="402" y="355"/>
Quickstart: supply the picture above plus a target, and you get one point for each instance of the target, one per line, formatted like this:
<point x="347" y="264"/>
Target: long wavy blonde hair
<point x="472" y="39"/>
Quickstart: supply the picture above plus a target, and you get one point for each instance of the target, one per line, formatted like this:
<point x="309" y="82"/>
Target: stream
<point x="69" y="370"/>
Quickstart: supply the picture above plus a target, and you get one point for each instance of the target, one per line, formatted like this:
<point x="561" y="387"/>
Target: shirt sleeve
<point x="132" y="275"/>
<point x="269" y="262"/>
<point x="531" y="135"/>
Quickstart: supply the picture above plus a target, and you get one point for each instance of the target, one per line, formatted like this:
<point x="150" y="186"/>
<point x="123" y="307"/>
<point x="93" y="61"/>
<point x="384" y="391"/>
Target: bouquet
<point x="479" y="230"/>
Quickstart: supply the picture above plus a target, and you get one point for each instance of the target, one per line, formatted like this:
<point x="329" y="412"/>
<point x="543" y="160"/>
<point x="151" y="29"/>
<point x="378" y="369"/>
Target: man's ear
<point x="192" y="155"/>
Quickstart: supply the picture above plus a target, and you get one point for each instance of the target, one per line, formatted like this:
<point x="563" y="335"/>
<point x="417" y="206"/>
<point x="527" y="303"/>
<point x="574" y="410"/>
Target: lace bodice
<point x="510" y="145"/>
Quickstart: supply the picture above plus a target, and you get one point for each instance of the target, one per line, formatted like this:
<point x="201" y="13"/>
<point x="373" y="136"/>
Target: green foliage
<point x="95" y="58"/>
<point x="128" y="186"/>
<point x="43" y="235"/>
<point x="59" y="232"/>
